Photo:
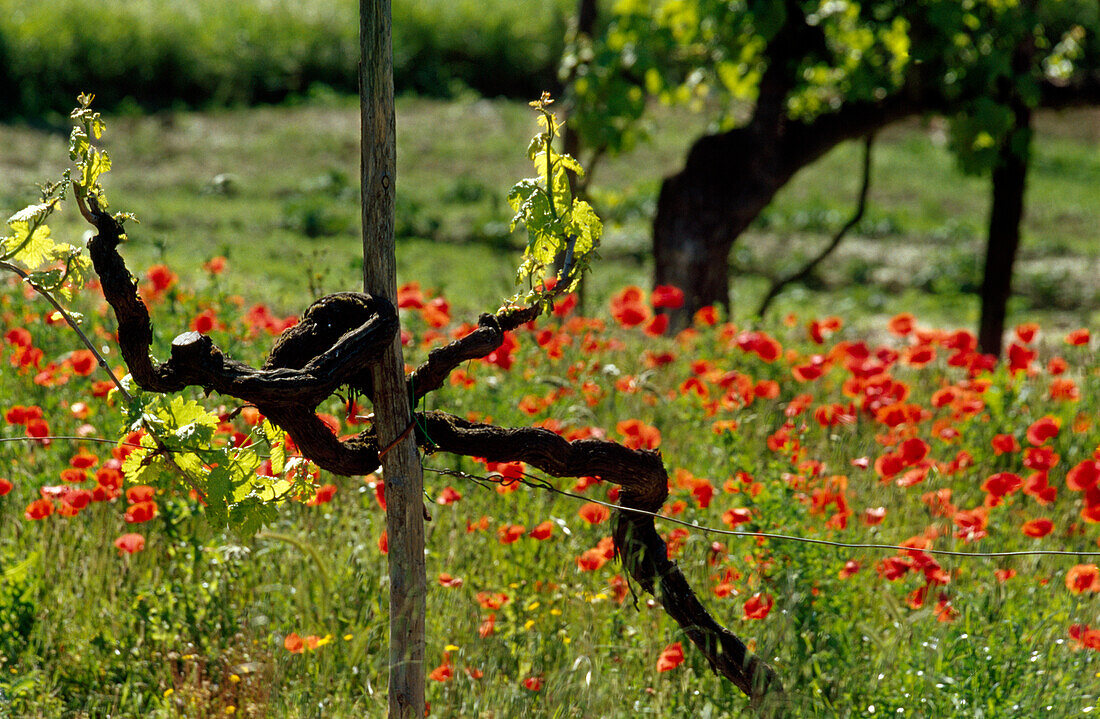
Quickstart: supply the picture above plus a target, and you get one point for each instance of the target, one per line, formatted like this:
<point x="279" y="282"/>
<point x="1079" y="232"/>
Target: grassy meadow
<point x="857" y="429"/>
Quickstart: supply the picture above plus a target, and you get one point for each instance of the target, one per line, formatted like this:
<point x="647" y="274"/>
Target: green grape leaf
<point x="36" y="213"/>
<point x="30" y="247"/>
<point x="94" y="165"/>
<point x="570" y="163"/>
<point x="250" y="516"/>
<point x="47" y="279"/>
<point x="276" y="438"/>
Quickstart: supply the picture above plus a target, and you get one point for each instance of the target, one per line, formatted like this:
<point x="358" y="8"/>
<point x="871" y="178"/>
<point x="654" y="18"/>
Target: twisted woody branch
<point x="336" y="341"/>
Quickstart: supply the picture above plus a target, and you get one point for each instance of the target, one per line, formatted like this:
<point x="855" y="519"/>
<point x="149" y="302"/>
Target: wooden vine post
<point x="392" y="413"/>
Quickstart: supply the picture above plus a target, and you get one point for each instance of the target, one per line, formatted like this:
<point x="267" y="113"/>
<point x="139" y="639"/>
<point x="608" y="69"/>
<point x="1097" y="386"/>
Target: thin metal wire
<point x="542" y="483"/>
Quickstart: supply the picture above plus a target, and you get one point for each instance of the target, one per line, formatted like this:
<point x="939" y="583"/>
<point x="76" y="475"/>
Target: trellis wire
<point x="541" y="483"/>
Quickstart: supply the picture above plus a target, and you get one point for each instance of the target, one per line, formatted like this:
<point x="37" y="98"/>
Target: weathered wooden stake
<point x="392" y="413"/>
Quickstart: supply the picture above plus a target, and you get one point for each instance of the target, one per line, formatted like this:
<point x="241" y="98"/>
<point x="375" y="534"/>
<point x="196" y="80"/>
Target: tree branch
<point x="480" y="343"/>
<point x="854" y="220"/>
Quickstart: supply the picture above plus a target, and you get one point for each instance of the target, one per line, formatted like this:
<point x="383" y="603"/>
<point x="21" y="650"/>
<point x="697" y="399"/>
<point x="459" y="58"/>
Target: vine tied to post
<point x="337" y="341"/>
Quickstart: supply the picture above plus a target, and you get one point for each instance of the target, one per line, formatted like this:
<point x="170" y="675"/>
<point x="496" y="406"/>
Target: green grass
<point x="234" y="182"/>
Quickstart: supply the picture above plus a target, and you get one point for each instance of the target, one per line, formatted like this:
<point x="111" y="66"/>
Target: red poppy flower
<point x="509" y="533"/>
<point x="141" y="512"/>
<point x="76" y="499"/>
<point x="38" y="509"/>
<point x="735" y="517"/>
<point x="325" y="493"/>
<point x="542" y="531"/>
<point x="671" y="657"/>
<point x="807" y="372"/>
<point x="215" y="265"/>
<point x="445" y="671"/>
<point x="850" y="568"/>
<point x="1064" y="389"/>
<point x="1026" y="332"/>
<point x="591" y="560"/>
<point x="1002" y="484"/>
<point x="5" y="486"/>
<point x="594" y="513"/>
<point x="449" y="495"/>
<point x="894" y="568"/>
<point x="83" y="460"/>
<point x="83" y="362"/>
<point x="38" y="428"/>
<point x="1004" y="444"/>
<point x="16" y="414"/>
<point x="656" y="326"/>
<point x="667" y="297"/>
<point x="901" y="324"/>
<point x="446" y="580"/>
<point x="706" y="316"/>
<point x="564" y="306"/>
<point x="1083" y="578"/>
<point x="75" y="476"/>
<point x="160" y="277"/>
<point x="1020" y="357"/>
<point x="1040" y="458"/>
<point x="971" y="524"/>
<point x="533" y="683"/>
<point x="491" y="600"/>
<point x="1078" y="337"/>
<point x="1043" y="429"/>
<point x="130" y="543"/>
<point x="140" y="493"/>
<point x="1083" y="476"/>
<point x="503" y="356"/>
<point x="638" y="434"/>
<point x="487" y="626"/>
<point x="758" y="606"/>
<point x="913" y="450"/>
<point x="766" y="389"/>
<point x="409" y="296"/>
<point x="1037" y="528"/>
<point x="437" y="312"/>
<point x="1037" y="485"/>
<point x="919" y="356"/>
<point x="628" y="307"/>
<point x="874" y="515"/>
<point x="294" y="643"/>
<point x="1003" y="575"/>
<point x="889" y="465"/>
<point x="18" y="337"/>
<point x="204" y="322"/>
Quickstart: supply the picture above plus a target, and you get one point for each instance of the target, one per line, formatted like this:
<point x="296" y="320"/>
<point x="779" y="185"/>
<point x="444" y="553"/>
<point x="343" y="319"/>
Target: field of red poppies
<point x="119" y="599"/>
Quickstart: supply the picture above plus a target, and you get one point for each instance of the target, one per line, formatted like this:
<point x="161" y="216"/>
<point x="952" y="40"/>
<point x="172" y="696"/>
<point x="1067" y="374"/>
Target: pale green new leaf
<point x="34" y="213"/>
<point x="31" y="249"/>
<point x="277" y="439"/>
<point x="95" y="164"/>
<point x="78" y="143"/>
